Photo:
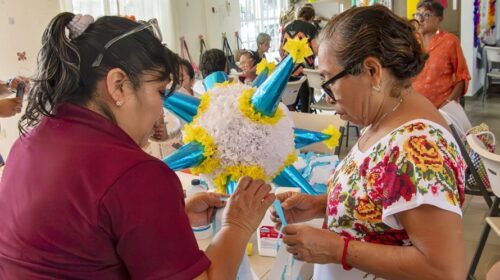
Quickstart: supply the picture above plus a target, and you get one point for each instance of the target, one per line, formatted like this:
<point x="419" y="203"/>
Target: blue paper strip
<point x="231" y="186"/>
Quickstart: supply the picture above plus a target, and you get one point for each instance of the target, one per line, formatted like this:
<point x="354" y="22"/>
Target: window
<point x="139" y="8"/>
<point x="258" y="16"/>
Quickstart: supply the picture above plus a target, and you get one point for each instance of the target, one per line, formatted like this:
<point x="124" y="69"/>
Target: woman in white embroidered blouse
<point x="393" y="204"/>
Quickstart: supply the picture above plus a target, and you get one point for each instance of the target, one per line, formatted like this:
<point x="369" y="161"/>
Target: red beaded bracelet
<point x="345" y="266"/>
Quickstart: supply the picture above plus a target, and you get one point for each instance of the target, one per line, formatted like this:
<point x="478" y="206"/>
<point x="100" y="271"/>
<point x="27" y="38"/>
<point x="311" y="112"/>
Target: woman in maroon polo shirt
<point x="79" y="198"/>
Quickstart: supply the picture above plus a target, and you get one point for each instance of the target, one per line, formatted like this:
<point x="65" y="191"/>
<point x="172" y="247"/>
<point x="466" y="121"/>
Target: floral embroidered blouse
<point x="416" y="164"/>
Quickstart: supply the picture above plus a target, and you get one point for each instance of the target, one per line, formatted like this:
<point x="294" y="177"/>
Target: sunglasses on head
<point x="151" y="25"/>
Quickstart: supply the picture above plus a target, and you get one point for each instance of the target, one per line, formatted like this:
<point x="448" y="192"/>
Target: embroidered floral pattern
<point x="415" y="164"/>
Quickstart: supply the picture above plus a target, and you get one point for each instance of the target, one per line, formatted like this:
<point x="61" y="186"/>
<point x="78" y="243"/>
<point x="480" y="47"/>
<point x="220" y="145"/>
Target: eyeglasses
<point x="426" y="15"/>
<point x="151" y="25"/>
<point x="326" y="86"/>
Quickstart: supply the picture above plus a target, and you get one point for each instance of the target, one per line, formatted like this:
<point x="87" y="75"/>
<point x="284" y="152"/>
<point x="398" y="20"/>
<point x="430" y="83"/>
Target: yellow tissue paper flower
<point x="200" y="135"/>
<point x="334" y="133"/>
<point x="225" y="84"/>
<point x="298" y="49"/>
<point x="204" y="103"/>
<point x="248" y="111"/>
<point x="235" y="173"/>
<point x="263" y="64"/>
<point x="292" y="157"/>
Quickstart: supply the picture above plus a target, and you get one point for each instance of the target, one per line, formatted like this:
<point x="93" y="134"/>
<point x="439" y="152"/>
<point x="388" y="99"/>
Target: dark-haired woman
<point x="79" y="199"/>
<point x="187" y="77"/>
<point x="445" y="76"/>
<point x="393" y="204"/>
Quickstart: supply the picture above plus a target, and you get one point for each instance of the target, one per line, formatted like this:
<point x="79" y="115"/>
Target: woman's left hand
<point x="200" y="208"/>
<point x="313" y="245"/>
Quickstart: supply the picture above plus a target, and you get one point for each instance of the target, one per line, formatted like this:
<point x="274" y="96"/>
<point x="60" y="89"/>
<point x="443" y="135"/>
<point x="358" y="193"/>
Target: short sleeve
<point x="143" y="212"/>
<point x="459" y="64"/>
<point x="422" y="165"/>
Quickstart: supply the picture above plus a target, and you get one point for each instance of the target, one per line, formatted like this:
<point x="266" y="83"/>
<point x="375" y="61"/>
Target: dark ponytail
<point x="57" y="74"/>
<point x="65" y="73"/>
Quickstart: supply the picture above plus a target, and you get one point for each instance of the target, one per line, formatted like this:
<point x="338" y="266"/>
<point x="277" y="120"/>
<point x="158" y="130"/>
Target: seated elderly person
<point x="248" y="64"/>
<point x="263" y="44"/>
<point x="392" y="210"/>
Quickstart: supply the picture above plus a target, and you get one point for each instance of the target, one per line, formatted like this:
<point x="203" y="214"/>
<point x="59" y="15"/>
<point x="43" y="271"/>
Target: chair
<point x="315" y="81"/>
<point x="316" y="122"/>
<point x="491" y="55"/>
<point x="478" y="189"/>
<point x="291" y="91"/>
<point x="491" y="162"/>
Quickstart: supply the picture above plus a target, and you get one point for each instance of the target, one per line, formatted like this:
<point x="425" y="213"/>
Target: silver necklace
<point x="376" y="124"/>
<point x="388" y="113"/>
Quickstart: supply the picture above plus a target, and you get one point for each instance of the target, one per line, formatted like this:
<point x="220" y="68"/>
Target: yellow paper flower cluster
<point x="225" y="84"/>
<point x="333" y="141"/>
<point x="204" y="103"/>
<point x="235" y="173"/>
<point x="298" y="49"/>
<point x="292" y="157"/>
<point x="263" y="64"/>
<point x="200" y="135"/>
<point x="248" y="111"/>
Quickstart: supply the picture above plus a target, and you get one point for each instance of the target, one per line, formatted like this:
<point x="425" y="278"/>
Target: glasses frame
<point x="424" y="16"/>
<point x="327" y="84"/>
<point x="151" y="24"/>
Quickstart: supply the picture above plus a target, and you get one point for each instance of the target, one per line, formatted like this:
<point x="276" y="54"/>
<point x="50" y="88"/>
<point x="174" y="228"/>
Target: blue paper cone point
<point x="182" y="105"/>
<point x="268" y="95"/>
<point x="304" y="137"/>
<point x="215" y="78"/>
<point x="261" y="78"/>
<point x="188" y="156"/>
<point x="291" y="177"/>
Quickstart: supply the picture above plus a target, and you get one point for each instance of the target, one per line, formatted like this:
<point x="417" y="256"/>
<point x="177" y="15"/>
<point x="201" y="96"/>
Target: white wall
<point x="467" y="41"/>
<point x="23" y="34"/>
<point x="195" y="17"/>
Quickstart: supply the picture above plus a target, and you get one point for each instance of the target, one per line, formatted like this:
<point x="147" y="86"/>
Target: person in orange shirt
<point x="445" y="76"/>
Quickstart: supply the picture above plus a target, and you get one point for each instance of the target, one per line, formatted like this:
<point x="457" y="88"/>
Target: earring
<point x="119" y="103"/>
<point x="376" y="88"/>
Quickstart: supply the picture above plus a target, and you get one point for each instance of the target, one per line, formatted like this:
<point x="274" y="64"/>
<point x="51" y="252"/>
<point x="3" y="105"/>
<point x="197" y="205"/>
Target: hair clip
<point x="78" y="25"/>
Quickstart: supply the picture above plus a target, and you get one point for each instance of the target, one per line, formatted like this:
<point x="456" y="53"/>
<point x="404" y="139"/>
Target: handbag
<point x="186" y="55"/>
<point x="231" y="63"/>
<point x="487" y="138"/>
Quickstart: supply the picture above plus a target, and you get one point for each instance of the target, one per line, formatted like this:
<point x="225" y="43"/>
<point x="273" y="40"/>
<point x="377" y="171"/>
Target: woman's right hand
<point x="299" y="207"/>
<point x="248" y="204"/>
